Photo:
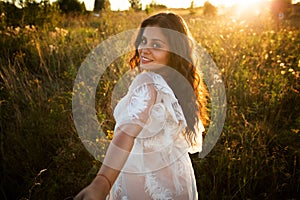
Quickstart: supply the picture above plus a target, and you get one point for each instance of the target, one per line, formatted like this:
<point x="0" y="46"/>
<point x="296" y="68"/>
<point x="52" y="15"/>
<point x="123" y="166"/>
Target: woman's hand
<point x="97" y="190"/>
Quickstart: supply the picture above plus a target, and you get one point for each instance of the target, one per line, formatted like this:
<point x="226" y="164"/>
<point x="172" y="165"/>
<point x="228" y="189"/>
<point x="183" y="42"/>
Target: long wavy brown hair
<point x="195" y="107"/>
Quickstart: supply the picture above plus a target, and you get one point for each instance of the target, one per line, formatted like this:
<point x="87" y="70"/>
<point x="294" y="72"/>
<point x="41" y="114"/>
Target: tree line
<point x="31" y="12"/>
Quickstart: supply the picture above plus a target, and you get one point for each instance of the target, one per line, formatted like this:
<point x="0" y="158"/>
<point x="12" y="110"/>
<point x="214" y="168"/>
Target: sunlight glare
<point x="119" y="5"/>
<point x="250" y="7"/>
<point x="241" y="3"/>
<point x="124" y="4"/>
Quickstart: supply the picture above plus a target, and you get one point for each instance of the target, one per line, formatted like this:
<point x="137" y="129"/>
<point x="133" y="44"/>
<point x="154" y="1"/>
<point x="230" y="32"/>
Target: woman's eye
<point x="155" y="45"/>
<point x="144" y="41"/>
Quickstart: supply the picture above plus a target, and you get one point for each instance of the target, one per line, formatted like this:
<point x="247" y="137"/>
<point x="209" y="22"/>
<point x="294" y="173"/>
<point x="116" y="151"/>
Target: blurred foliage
<point x="154" y="6"/>
<point x="101" y="5"/>
<point x="30" y="13"/>
<point x="136" y="5"/>
<point x="256" y="157"/>
<point x="209" y="9"/>
<point x="71" y="6"/>
<point x="280" y="6"/>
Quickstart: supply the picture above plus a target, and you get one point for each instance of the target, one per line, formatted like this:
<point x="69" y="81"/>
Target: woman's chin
<point x="151" y="66"/>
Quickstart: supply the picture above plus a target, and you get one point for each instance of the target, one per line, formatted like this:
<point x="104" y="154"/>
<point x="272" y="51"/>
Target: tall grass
<point x="258" y="152"/>
<point x="257" y="155"/>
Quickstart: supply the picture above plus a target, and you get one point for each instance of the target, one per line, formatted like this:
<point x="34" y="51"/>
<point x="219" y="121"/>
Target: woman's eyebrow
<point x="159" y="40"/>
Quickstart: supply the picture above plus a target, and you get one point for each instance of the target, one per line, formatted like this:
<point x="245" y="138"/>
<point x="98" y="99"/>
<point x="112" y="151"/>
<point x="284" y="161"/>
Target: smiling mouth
<point x="145" y="60"/>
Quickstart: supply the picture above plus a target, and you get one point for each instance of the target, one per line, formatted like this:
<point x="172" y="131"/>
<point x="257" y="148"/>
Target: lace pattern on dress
<point x="178" y="111"/>
<point x="117" y="188"/>
<point x="179" y="168"/>
<point x="139" y="101"/>
<point x="156" y="191"/>
<point x="168" y="97"/>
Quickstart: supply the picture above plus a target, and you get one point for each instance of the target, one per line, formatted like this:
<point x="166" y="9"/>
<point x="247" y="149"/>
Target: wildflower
<point x="17" y="30"/>
<point x="217" y="79"/>
<point x="37" y="81"/>
<point x="61" y="31"/>
<point x="266" y="56"/>
<point x="52" y="48"/>
<point x="30" y="28"/>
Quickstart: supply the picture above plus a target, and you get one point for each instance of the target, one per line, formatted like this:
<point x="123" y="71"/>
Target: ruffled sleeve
<point x="134" y="108"/>
<point x="175" y="110"/>
<point x="197" y="147"/>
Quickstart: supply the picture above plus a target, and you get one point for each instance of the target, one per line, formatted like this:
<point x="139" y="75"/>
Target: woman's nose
<point x="144" y="49"/>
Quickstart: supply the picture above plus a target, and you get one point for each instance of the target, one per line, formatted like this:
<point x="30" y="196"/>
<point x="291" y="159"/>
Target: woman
<point x="158" y="122"/>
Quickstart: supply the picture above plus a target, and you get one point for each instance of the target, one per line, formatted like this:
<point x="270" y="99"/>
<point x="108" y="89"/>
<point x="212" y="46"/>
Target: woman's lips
<point x="145" y="60"/>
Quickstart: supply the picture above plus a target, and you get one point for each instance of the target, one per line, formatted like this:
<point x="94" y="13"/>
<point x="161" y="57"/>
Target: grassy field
<point x="256" y="157"/>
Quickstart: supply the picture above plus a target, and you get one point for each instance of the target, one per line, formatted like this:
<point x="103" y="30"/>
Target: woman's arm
<point x="121" y="145"/>
<point x="115" y="158"/>
<point x="118" y="152"/>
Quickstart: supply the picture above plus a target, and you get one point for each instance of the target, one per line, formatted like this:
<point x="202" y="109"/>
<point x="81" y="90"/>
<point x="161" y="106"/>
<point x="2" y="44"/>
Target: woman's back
<point x="158" y="166"/>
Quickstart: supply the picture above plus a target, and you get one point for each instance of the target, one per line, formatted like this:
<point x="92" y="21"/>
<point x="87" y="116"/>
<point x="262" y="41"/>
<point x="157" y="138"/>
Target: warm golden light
<point x="250" y="7"/>
<point x="124" y="4"/>
<point x="241" y="3"/>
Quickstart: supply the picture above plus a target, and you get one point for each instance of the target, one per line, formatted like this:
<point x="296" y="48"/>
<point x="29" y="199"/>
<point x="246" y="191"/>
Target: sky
<point x="124" y="4"/>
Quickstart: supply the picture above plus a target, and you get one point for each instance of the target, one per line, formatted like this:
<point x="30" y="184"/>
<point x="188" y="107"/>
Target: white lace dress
<point x="158" y="166"/>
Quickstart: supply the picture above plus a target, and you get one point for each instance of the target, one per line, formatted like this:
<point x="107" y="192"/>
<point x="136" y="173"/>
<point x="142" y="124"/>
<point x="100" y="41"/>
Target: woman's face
<point x="153" y="49"/>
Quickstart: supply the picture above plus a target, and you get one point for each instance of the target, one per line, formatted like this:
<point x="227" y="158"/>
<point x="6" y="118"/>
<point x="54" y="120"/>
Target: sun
<point x="241" y="3"/>
<point x="245" y="4"/>
<point x="253" y="7"/>
<point x="241" y="8"/>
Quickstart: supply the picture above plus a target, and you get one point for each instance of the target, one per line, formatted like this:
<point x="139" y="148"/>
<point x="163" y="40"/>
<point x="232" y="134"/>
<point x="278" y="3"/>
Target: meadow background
<point x="257" y="155"/>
